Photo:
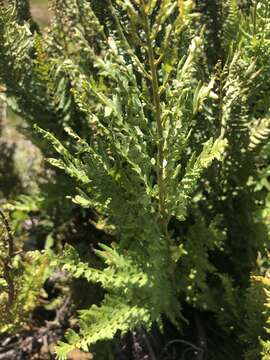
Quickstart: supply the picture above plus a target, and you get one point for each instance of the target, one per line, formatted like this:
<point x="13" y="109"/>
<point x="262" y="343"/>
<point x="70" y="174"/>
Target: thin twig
<point x="183" y="342"/>
<point x="61" y="312"/>
<point x="202" y="343"/>
<point x="9" y="233"/>
<point x="7" y="262"/>
<point x="149" y="347"/>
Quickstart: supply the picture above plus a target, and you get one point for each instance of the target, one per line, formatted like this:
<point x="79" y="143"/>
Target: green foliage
<point x="137" y="297"/>
<point x="165" y="146"/>
<point x="133" y="160"/>
<point x="264" y="283"/>
<point x="21" y="280"/>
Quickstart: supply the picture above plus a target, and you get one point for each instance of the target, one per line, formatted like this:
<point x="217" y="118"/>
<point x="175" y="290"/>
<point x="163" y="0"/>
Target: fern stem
<point x="255" y="18"/>
<point x="160" y="136"/>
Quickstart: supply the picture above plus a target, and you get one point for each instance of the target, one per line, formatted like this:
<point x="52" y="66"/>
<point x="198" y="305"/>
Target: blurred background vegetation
<point x="40" y="11"/>
<point x="24" y="159"/>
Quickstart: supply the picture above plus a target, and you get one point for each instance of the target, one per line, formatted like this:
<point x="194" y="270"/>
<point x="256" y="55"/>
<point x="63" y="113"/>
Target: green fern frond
<point x="259" y="133"/>
<point x="265" y="343"/>
<point x="127" y="306"/>
<point x="101" y="323"/>
<point x="231" y="24"/>
<point x="179" y="196"/>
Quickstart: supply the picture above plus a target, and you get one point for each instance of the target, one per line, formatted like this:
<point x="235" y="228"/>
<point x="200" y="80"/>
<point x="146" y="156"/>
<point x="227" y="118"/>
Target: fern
<point x="135" y="176"/>
<point x="259" y="133"/>
<point x="231" y="23"/>
<point x="21" y="280"/>
<point x="164" y="148"/>
<point x="264" y="281"/>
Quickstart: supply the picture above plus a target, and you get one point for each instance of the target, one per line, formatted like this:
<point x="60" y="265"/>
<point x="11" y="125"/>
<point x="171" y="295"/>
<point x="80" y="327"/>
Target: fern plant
<point x="21" y="280"/>
<point x="164" y="145"/>
<point x="131" y="169"/>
